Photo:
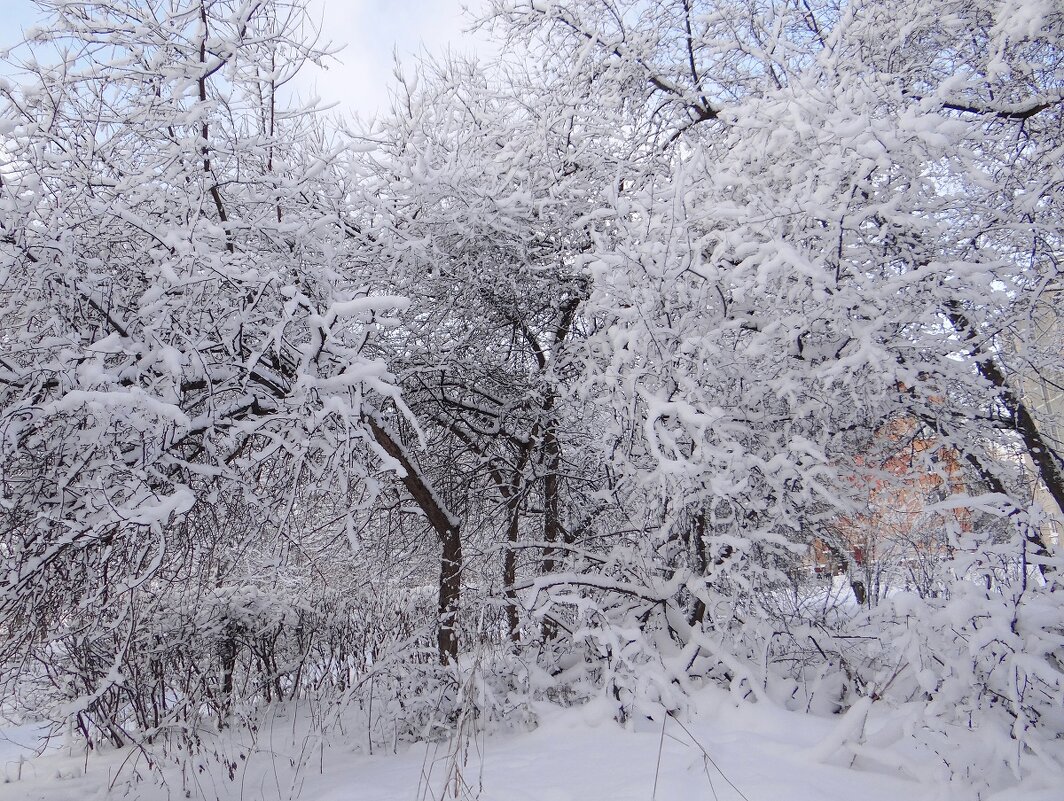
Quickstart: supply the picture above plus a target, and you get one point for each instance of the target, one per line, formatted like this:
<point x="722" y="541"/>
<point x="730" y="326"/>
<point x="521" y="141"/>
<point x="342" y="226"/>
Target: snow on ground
<point x="728" y="752"/>
<point x="18" y="744"/>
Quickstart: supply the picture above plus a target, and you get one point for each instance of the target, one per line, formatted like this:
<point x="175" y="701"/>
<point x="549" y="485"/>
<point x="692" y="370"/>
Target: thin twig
<point x="708" y="758"/>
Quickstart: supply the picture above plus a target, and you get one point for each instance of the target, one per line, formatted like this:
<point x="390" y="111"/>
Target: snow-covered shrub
<point x="979" y="675"/>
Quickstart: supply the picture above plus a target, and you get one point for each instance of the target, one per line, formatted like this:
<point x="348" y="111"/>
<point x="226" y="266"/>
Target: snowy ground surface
<point x="727" y="753"/>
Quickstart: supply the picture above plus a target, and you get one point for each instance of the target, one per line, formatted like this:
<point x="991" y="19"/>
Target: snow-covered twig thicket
<point x="562" y="378"/>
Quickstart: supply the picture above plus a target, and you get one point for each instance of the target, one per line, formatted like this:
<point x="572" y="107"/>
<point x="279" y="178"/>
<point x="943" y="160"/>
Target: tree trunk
<point x="1045" y="459"/>
<point x="450" y="595"/>
<point x="447" y="530"/>
<point x="700" y="563"/>
<point x="552" y="524"/>
<point x="509" y="566"/>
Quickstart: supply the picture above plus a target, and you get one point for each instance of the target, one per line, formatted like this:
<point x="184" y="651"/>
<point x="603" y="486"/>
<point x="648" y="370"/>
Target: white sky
<point x="358" y="79"/>
<point x="372" y="29"/>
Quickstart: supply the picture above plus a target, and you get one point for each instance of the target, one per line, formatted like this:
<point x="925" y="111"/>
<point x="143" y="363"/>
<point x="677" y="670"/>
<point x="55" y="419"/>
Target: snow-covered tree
<point x="182" y="320"/>
<point x="829" y="218"/>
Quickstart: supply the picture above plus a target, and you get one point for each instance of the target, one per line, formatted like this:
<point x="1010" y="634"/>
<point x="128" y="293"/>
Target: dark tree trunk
<point x="227" y="654"/>
<point x="697" y="549"/>
<point x="450" y="595"/>
<point x="552" y="523"/>
<point x="509" y="566"/>
<point x="447" y="530"/>
<point x="1046" y="460"/>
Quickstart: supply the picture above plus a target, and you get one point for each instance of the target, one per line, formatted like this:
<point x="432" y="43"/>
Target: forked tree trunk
<point x="447" y="530"/>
